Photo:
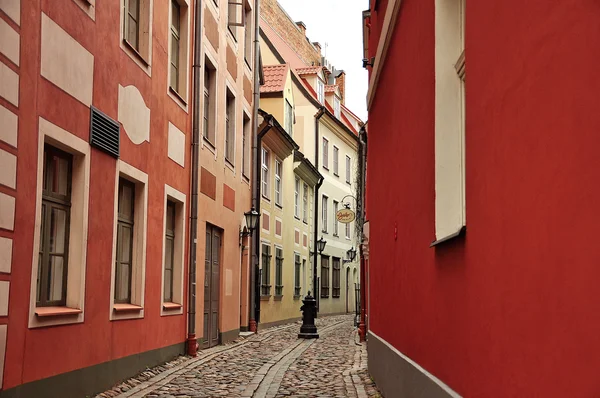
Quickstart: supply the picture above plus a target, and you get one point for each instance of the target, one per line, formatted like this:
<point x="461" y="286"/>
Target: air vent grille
<point x="104" y="133"/>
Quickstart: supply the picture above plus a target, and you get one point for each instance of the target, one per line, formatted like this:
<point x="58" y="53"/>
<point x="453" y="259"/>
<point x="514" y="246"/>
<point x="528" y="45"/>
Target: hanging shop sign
<point x="345" y="216"/>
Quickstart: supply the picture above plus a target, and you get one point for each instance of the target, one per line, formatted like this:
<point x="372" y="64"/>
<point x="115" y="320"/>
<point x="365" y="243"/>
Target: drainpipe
<point x="318" y="116"/>
<point x="362" y="326"/>
<point x="192" y="343"/>
<point x="255" y="247"/>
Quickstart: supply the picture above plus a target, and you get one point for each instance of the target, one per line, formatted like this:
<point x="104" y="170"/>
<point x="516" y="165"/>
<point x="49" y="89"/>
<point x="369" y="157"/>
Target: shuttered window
<point x="336" y="278"/>
<point x="125" y="224"/>
<point x="324" y="276"/>
<point x="169" y="251"/>
<point x="278" y="272"/>
<point x="265" y="288"/>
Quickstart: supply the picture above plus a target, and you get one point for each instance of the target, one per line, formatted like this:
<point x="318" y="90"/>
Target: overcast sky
<point x="337" y="23"/>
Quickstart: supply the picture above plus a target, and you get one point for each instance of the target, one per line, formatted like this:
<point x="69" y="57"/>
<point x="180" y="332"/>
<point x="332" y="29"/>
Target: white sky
<point x="339" y="24"/>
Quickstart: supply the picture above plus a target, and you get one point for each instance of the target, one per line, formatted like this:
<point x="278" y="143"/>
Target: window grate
<point x="104" y="132"/>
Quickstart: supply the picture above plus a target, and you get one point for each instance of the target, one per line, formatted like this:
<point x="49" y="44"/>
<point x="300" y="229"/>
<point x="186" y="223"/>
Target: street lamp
<point x="308" y="330"/>
<point x="252" y="217"/>
<point x="350" y="255"/>
<point x="321" y="245"/>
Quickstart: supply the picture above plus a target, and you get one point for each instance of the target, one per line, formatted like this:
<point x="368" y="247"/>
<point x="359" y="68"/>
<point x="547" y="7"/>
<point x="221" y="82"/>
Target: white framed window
<point x="335" y="221"/>
<point x="297" y="197"/>
<point x="209" y="130"/>
<point x="289" y="117"/>
<point x="266" y="185"/>
<point x="320" y="90"/>
<point x="325" y="153"/>
<point x="336" y="107"/>
<point x="336" y="156"/>
<point x="236" y="16"/>
<point x="324" y="205"/>
<point x="246" y="134"/>
<point x="136" y="31"/>
<point x="305" y="203"/>
<point x="450" y="204"/>
<point x="230" y="127"/>
<point x="348" y="169"/>
<point x="61" y="219"/>
<point x="178" y="51"/>
<point x="173" y="252"/>
<point x="278" y="167"/>
<point x="248" y="36"/>
<point x="129" y="243"/>
<point x="348" y="231"/>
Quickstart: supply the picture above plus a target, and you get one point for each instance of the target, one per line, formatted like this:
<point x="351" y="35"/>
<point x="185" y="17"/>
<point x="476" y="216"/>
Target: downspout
<point x="192" y="343"/>
<point x="255" y="281"/>
<point x="318" y="116"/>
<point x="255" y="151"/>
<point x="362" y="326"/>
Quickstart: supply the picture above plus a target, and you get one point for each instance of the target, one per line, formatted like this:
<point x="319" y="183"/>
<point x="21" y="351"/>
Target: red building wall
<point x="33" y="354"/>
<point x="510" y="309"/>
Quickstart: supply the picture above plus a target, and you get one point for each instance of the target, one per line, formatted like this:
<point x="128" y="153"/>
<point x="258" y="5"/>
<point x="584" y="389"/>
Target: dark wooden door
<point x="212" y="274"/>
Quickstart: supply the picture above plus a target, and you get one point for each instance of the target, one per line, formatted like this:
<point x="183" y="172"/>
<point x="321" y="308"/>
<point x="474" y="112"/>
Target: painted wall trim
<point x="414" y="389"/>
<point x="389" y="23"/>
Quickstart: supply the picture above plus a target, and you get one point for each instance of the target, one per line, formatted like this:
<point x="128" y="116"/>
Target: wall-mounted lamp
<point x="252" y="218"/>
<point x="350" y="255"/>
<point x="368" y="62"/>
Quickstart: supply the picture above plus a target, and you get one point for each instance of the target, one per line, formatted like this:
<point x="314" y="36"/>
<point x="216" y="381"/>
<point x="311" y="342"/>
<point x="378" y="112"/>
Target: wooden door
<point x="212" y="274"/>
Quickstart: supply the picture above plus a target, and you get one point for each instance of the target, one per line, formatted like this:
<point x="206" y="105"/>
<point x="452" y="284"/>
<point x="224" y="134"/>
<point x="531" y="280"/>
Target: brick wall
<point x="287" y="29"/>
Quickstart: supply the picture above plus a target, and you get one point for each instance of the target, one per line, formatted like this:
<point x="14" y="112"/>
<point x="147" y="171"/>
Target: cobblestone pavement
<point x="272" y="364"/>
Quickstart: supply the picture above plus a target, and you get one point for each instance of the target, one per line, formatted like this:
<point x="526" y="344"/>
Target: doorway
<point x="347" y="290"/>
<point x="212" y="278"/>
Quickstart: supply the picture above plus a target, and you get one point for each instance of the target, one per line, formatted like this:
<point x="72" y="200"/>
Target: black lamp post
<point x="308" y="330"/>
<point x="252" y="217"/>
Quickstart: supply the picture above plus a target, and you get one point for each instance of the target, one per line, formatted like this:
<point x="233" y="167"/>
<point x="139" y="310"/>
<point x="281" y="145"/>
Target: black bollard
<point x="308" y="330"/>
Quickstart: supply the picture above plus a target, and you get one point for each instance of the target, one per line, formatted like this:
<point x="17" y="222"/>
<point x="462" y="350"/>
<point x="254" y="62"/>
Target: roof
<point x="287" y="53"/>
<point x="309" y="70"/>
<point x="275" y="78"/>
<point x="330" y="88"/>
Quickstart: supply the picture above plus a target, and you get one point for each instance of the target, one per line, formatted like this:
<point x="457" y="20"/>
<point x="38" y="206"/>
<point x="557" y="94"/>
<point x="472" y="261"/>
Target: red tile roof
<point x="309" y="70"/>
<point x="330" y="88"/>
<point x="275" y="77"/>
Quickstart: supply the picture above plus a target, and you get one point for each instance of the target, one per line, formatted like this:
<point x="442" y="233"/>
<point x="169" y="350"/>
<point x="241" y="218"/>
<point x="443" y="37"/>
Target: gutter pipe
<point x="318" y="116"/>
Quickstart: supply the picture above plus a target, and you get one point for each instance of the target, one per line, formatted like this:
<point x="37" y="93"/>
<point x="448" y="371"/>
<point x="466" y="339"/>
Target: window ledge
<point x="336" y="174"/>
<point x="265" y="197"/>
<point x="336" y="235"/>
<point x="230" y="164"/>
<point x="279" y="205"/>
<point x="297" y="297"/>
<point x="127" y="308"/>
<point x="177" y="95"/>
<point x="265" y="297"/>
<point x="56" y="311"/>
<point x="171" y="306"/>
<point x="135" y="52"/>
<point x="245" y="177"/>
<point x="278" y="297"/>
<point x="297" y="218"/>
<point x="457" y="234"/>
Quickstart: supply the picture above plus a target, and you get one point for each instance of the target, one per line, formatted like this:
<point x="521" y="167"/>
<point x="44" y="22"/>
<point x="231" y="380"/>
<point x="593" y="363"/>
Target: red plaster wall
<point x="32" y="354"/>
<point x="511" y="309"/>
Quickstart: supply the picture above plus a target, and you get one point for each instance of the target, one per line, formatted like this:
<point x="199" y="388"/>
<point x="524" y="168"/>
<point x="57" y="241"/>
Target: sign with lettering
<point x="345" y="216"/>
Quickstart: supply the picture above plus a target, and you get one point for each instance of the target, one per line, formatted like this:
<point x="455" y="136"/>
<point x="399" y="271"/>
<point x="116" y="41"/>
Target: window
<point x="230" y="128"/>
<point x="336" y="278"/>
<point x="54" y="229"/>
<point x="320" y="90"/>
<point x="173" y="252"/>
<point x="248" y="36"/>
<point x="209" y="129"/>
<point x="289" y="117"/>
<point x="297" y="198"/>
<point x="178" y="55"/>
<point x="336" y="153"/>
<point x="278" y="272"/>
<point x="305" y="203"/>
<point x="169" y="252"/>
<point x="137" y="30"/>
<point x="175" y="44"/>
<point x="297" y="286"/>
<point x="348" y="231"/>
<point x="125" y="224"/>
<point x="246" y="146"/>
<point x="278" y="182"/>
<point x="324" y="213"/>
<point x="236" y="16"/>
<point x="335" y="221"/>
<point x="348" y="169"/>
<point x="324" y="276"/>
<point x="325" y="153"/>
<point x="266" y="184"/>
<point x="337" y="108"/>
<point x="265" y="288"/>
<point x="450" y="75"/>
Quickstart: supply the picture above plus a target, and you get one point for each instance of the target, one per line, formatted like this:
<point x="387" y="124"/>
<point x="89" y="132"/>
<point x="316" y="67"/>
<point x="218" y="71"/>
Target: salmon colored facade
<point x="507" y="306"/>
<point x="53" y="93"/>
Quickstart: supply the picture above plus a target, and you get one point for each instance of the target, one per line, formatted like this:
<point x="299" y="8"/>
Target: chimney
<point x="302" y="27"/>
<point x="340" y="80"/>
<point x="317" y="46"/>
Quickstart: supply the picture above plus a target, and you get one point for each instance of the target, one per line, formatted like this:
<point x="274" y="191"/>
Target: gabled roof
<point x="275" y="78"/>
<point x="309" y="70"/>
<point x="287" y="53"/>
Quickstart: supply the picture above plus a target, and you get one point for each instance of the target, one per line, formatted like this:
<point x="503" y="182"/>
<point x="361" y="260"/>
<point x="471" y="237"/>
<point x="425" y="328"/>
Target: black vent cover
<point x="104" y="132"/>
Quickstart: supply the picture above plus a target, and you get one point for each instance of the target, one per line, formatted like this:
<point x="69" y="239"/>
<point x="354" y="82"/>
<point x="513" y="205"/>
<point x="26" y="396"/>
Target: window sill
<point x="324" y="296"/>
<point x="457" y="234"/>
<point x="348" y="182"/>
<point x="177" y="95"/>
<point x="265" y="197"/>
<point x="335" y="296"/>
<point x="297" y="297"/>
<point x="336" y="174"/>
<point x="325" y="232"/>
<point x="278" y="297"/>
<point x="127" y="308"/>
<point x="136" y="52"/>
<point x="245" y="178"/>
<point x="297" y="218"/>
<point x="230" y="165"/>
<point x="336" y="235"/>
<point x="279" y="205"/>
<point x="305" y="222"/>
<point x="171" y="306"/>
<point x="265" y="297"/>
<point x="56" y="311"/>
<point x="326" y="168"/>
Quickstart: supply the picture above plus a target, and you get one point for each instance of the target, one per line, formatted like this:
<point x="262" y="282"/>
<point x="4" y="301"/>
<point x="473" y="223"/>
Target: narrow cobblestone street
<point x="272" y="364"/>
